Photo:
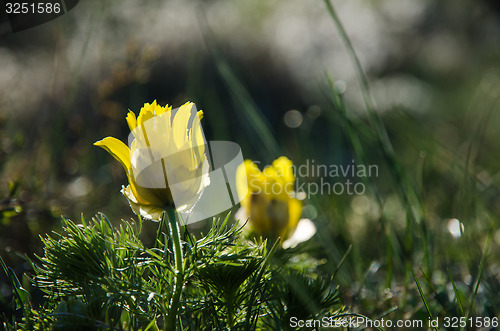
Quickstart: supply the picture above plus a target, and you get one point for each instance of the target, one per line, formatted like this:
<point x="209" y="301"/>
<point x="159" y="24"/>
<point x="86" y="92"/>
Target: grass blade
<point x="480" y="274"/>
<point x="241" y="98"/>
<point x="422" y="295"/>
<point x="457" y="294"/>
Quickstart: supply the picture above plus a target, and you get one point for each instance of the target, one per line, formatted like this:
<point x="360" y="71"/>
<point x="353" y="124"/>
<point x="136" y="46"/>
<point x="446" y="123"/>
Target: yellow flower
<point x="166" y="164"/>
<point x="270" y="205"/>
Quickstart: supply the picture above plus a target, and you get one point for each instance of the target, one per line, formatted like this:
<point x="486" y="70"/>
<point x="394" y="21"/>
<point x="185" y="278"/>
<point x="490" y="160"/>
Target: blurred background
<point x="262" y="67"/>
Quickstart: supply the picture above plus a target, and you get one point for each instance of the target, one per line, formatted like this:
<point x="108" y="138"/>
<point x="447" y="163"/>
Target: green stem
<point x="179" y="271"/>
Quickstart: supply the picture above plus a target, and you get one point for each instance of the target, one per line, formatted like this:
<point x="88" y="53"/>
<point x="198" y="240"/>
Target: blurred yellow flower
<point x="270" y="205"/>
<point x="166" y="146"/>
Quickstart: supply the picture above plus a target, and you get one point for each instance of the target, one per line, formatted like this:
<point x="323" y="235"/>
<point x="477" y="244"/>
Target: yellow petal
<point x="294" y="213"/>
<point x="200" y="114"/>
<point x="284" y="169"/>
<point x="180" y="124"/>
<point x="131" y="120"/>
<point x="242" y="185"/>
<point x="270" y="173"/>
<point x="147" y="112"/>
<point x="197" y="144"/>
<point x="121" y="152"/>
<point x="118" y="149"/>
<point x="251" y="168"/>
<point x="158" y="110"/>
